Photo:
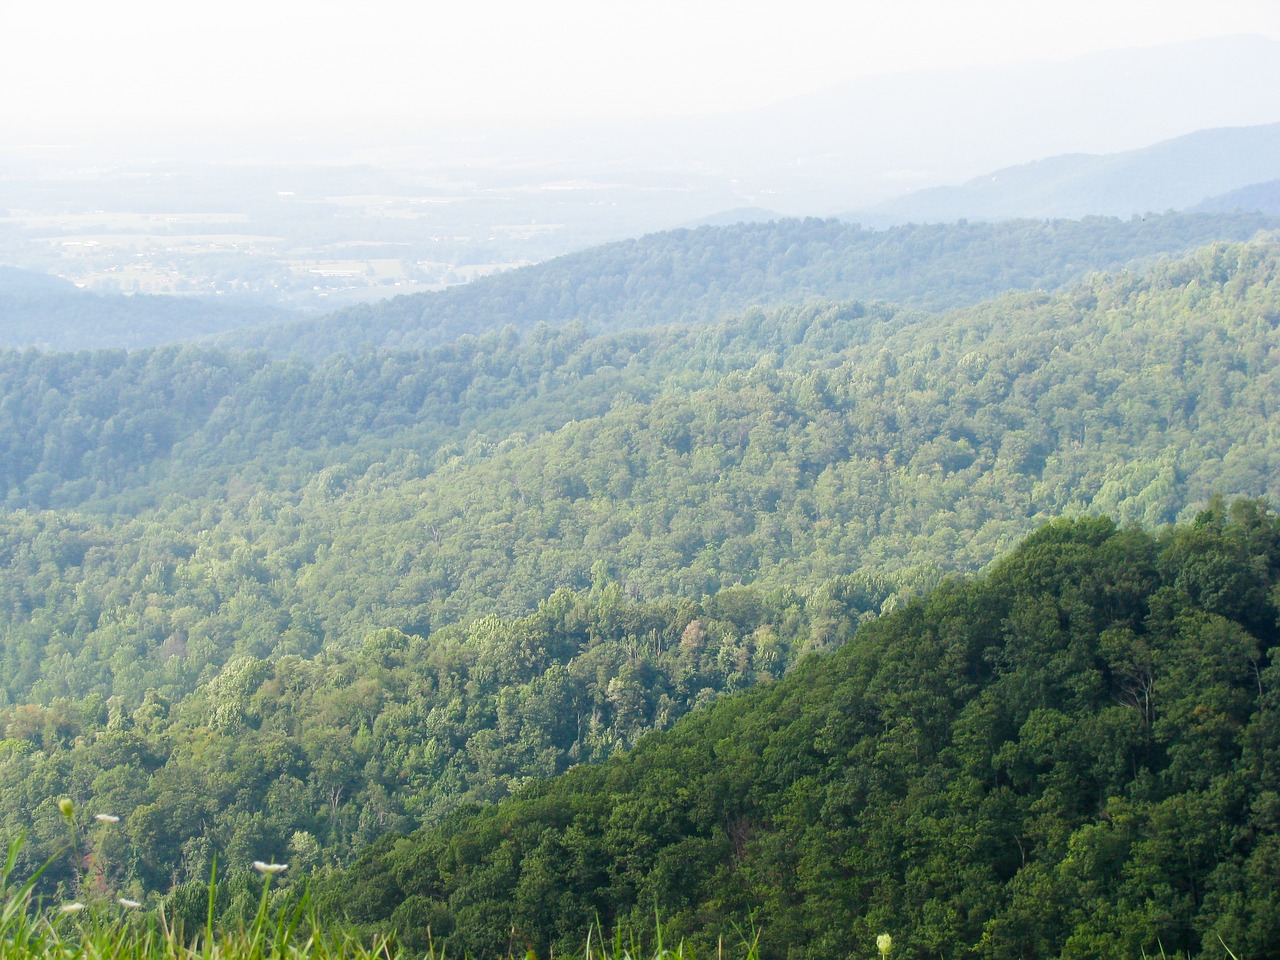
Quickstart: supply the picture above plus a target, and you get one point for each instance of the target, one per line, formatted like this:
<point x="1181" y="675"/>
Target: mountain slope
<point x="1070" y="757"/>
<point x="41" y="311"/>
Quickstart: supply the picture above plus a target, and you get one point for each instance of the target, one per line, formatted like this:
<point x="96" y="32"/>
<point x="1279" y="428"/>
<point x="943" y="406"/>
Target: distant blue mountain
<point x="39" y="310"/>
<point x="1257" y="197"/>
<point x="1174" y="175"/>
<point x="14" y="281"/>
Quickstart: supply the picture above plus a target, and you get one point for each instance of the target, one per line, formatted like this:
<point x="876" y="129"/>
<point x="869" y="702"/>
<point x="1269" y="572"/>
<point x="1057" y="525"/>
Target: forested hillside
<point x="1263" y="197"/>
<point x="344" y="597"/>
<point x="310" y="758"/>
<point x="1072" y="756"/>
<point x="42" y="311"/>
<point x="696" y="276"/>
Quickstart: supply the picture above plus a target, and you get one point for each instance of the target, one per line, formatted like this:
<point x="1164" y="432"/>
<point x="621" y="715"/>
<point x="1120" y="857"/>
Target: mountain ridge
<point x="1179" y="173"/>
<point x="704" y="274"/>
<point x="45" y="312"/>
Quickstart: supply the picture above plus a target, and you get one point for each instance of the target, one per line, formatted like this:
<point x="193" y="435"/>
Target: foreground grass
<point x="123" y="930"/>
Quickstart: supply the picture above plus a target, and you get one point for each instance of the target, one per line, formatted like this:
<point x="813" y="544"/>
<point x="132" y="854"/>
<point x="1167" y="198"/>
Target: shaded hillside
<point x="1073" y="756"/>
<point x="702" y="275"/>
<point x="1173" y="175"/>
<point x="1262" y="197"/>
<point x="41" y="311"/>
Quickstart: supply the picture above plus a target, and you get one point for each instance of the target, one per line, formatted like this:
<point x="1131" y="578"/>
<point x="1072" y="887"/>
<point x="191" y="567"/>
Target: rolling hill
<point x="48" y="313"/>
<point x="702" y="275"/>
<point x="346" y="597"/>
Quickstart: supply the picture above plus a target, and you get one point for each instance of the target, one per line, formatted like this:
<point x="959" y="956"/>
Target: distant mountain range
<point x="875" y="138"/>
<point x="376" y="211"/>
<point x="702" y="275"/>
<point x="1173" y="175"/>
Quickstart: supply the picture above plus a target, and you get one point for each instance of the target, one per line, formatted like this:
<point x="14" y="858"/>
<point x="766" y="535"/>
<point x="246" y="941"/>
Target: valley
<point x="303" y="606"/>
<point x="845" y="521"/>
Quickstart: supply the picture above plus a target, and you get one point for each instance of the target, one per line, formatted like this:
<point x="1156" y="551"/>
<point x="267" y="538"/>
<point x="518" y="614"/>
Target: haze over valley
<point x="533" y="480"/>
<point x="369" y="210"/>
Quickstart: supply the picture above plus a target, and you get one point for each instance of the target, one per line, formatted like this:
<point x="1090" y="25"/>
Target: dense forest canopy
<point x="354" y="506"/>
<point x="1072" y="756"/>
<point x="276" y="605"/>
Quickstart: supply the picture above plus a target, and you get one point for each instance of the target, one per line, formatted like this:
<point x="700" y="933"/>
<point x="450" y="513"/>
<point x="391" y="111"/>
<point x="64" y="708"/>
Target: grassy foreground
<point x="124" y="929"/>
<point x="101" y="924"/>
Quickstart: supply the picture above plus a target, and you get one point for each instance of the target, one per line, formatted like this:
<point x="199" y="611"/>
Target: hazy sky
<point x="70" y="64"/>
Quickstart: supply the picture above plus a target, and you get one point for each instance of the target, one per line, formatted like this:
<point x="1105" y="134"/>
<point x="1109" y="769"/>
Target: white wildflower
<point x="270" y="868"/>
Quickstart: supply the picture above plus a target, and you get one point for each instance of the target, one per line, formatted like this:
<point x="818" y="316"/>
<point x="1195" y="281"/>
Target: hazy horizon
<point x="312" y="155"/>
<point x="314" y="76"/>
